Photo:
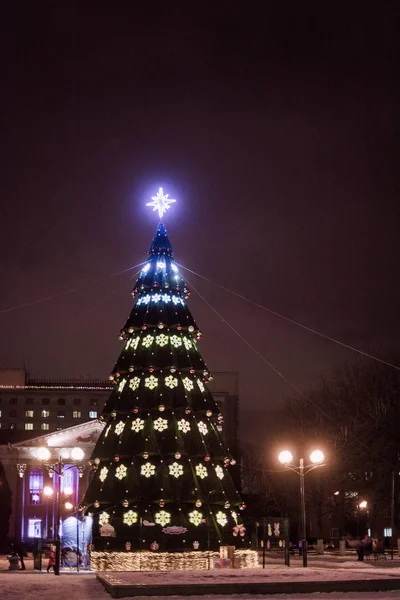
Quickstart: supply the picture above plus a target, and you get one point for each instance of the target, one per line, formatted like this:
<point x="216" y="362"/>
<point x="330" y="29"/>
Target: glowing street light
<point x="317" y="458"/>
<point x="363" y="504"/>
<point x="44" y="454"/>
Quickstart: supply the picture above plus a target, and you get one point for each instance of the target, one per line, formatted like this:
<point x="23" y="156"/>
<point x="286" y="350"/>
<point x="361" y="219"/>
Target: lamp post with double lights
<point x="76" y="455"/>
<point x="317" y="460"/>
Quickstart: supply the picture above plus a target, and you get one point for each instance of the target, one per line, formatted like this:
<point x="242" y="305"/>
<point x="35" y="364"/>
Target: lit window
<point x="45" y="413"/>
<point x="387" y="532"/>
<point x="0" y="413"/>
<point x="29" y="413"/>
<point x="34" y="528"/>
<point x="76" y="414"/>
<point x="92" y="414"/>
<point x="45" y="426"/>
<point x="35" y="485"/>
<point x="61" y="414"/>
<point x="28" y="425"/>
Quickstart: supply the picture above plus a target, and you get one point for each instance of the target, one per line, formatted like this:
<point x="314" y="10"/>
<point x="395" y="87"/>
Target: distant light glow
<point x="77" y="454"/>
<point x="285" y="457"/>
<point x="43" y="453"/>
<point x="146" y="268"/>
<point x="317" y="457"/>
<point x="161" y="265"/>
<point x="160" y="202"/>
<point x="175" y="268"/>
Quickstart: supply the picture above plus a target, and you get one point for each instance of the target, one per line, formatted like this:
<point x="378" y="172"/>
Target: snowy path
<point x="41" y="586"/>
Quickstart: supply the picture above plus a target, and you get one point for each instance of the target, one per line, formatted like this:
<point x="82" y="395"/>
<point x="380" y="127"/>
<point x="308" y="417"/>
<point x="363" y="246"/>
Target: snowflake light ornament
<point x="162" y="340"/>
<point x="166" y="298"/>
<point x="147" y="469"/>
<point x="134" y="383"/>
<point x="195" y="517"/>
<point x="221" y="518"/>
<point x="176" y="470"/>
<point x="119" y="427"/>
<point x="187" y="384"/>
<point x="156" y="298"/>
<point x="130" y="517"/>
<point x="160" y="424"/>
<point x="103" y="474"/>
<point x="121" y="385"/>
<point x="219" y="472"/>
<point x="137" y="425"/>
<point x="133" y="343"/>
<point x="201" y="471"/>
<point x="120" y="472"/>
<point x="147" y="341"/>
<point x="162" y="518"/>
<point x="183" y="425"/>
<point x="104" y="518"/>
<point x="151" y="382"/>
<point x="202" y="428"/>
<point x="161" y="202"/>
<point x="176" y="341"/>
<point x="201" y="385"/>
<point x="171" y="382"/>
<point x="188" y="343"/>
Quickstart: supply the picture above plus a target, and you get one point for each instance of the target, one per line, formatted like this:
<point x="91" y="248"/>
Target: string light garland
<point x="168" y="561"/>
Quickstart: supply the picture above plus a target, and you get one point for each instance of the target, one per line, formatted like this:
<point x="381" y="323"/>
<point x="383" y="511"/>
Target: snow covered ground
<point x="43" y="586"/>
<point x="31" y="585"/>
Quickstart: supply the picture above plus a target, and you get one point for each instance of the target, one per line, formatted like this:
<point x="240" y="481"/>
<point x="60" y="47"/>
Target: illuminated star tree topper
<point x="160" y="202"/>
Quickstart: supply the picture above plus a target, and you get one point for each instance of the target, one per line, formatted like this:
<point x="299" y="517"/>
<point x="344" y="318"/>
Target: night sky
<point x="277" y="131"/>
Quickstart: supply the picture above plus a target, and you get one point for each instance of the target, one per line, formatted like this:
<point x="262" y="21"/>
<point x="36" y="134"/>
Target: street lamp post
<point x="76" y="455"/>
<point x="317" y="459"/>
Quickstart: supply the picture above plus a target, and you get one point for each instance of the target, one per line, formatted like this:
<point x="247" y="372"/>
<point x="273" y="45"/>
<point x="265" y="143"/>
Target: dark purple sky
<point x="277" y="132"/>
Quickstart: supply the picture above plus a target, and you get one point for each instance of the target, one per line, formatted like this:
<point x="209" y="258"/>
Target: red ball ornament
<point x="144" y="327"/>
<point x="135" y="409"/>
<point x="116" y="458"/>
<point x="207" y="458"/>
<point x="188" y="410"/>
<point x="227" y="505"/>
<point x="117" y="374"/>
<point x="179" y="327"/>
<point x="151" y="369"/>
<point x="161" y="503"/>
<point x="192" y="371"/>
<point x="122" y="332"/>
<point x="242" y="506"/>
<point x="233" y="461"/>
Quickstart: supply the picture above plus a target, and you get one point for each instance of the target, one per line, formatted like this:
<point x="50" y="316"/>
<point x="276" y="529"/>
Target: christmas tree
<point x="161" y="466"/>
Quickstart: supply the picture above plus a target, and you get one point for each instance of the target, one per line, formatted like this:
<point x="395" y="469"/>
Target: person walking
<point x="52" y="559"/>
<point x="364" y="547"/>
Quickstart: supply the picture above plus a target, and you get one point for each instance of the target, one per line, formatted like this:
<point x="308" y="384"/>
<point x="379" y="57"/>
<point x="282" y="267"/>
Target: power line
<point x="66" y="292"/>
<point x="294" y="322"/>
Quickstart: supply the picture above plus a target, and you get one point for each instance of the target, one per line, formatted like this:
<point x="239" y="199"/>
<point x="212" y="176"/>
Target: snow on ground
<point x="43" y="586"/>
